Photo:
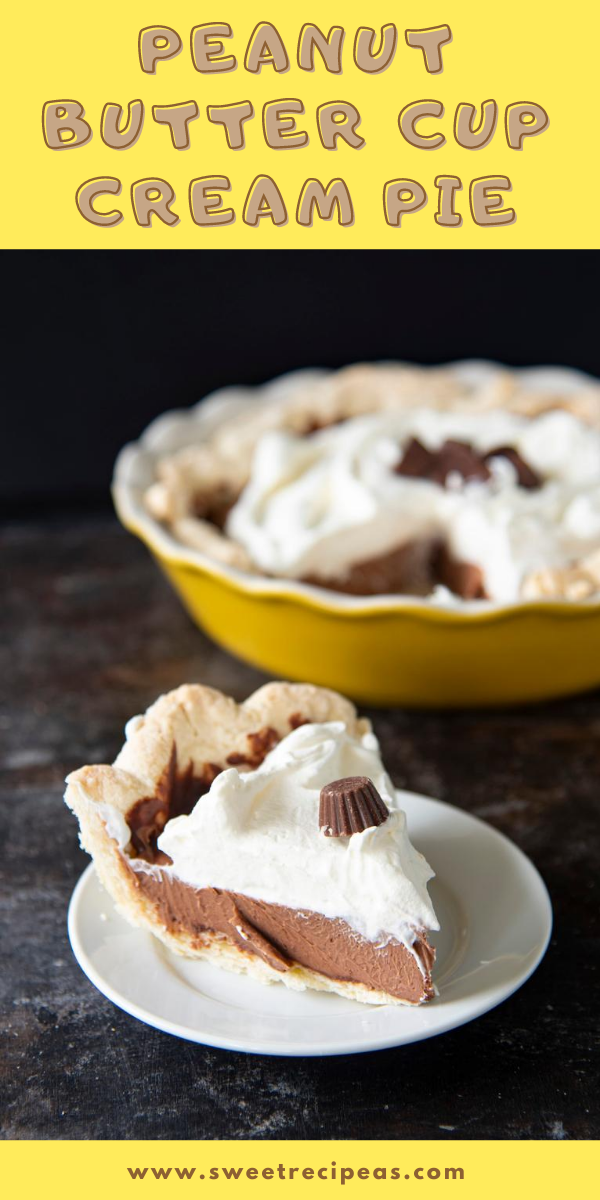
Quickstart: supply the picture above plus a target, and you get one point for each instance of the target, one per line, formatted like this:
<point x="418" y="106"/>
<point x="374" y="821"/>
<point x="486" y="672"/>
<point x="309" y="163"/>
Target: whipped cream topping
<point x="314" y="506"/>
<point x="258" y="834"/>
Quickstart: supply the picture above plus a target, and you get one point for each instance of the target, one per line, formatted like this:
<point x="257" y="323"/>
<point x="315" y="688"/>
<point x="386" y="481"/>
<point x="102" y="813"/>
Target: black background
<point x="97" y="344"/>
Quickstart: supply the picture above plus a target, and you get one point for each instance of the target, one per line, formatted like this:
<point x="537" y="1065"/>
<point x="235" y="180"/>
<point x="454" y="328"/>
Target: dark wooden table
<point x="92" y="634"/>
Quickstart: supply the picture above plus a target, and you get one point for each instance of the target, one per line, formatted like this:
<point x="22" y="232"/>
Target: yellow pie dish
<point x="381" y="650"/>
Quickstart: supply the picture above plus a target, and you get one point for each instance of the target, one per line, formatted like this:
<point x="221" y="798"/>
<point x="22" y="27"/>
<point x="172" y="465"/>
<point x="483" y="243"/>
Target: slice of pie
<point x="265" y="837"/>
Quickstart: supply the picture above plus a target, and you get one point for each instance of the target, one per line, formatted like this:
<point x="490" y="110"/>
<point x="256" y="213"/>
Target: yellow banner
<point x="443" y="124"/>
<point x="469" y="1170"/>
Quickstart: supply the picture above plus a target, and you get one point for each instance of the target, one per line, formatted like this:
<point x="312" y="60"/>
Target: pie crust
<point x="202" y="731"/>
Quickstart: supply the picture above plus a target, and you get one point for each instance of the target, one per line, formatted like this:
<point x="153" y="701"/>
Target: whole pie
<point x="391" y="479"/>
<point x="265" y="837"/>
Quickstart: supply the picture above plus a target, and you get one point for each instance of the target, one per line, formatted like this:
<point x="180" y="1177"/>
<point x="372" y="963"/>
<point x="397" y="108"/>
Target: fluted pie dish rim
<point x="384" y="649"/>
<point x="208" y="413"/>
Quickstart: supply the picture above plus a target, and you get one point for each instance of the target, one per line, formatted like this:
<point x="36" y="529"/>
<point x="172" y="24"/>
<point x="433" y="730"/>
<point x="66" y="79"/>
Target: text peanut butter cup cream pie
<point x="266" y="838"/>
<point x="396" y="480"/>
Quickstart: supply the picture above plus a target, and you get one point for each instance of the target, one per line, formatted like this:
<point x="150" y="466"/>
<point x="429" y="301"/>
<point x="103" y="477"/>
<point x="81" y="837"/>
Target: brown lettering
<point x="446" y="215"/>
<point x="86" y="195"/>
<point x="373" y="62"/>
<point x="402" y="196"/>
<point x="157" y="43"/>
<point x="264" y="200"/>
<point x="206" y="205"/>
<point x="279" y="127"/>
<point x="473" y="137"/>
<point x="330" y="48"/>
<point x="430" y="41"/>
<point x="339" y="119"/>
<point x="486" y="203"/>
<point x="207" y="48"/>
<point x="152" y="197"/>
<point x="266" y="49"/>
<point x="177" y="117"/>
<point x="524" y="120"/>
<point x="415" y="112"/>
<point x="232" y="116"/>
<point x="325" y="199"/>
<point x="63" y="125"/>
<point x="110" y="125"/>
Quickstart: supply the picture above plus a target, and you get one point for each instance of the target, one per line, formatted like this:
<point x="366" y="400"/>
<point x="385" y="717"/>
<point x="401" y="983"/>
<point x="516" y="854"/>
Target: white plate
<point x="496" y="920"/>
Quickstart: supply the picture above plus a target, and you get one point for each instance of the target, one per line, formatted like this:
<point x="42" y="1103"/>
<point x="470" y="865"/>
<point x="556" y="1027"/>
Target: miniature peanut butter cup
<point x="350" y="806"/>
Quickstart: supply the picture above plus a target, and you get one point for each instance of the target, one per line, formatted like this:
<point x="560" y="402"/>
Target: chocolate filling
<point x="176" y="794"/>
<point x="413" y="569"/>
<point x="417" y="567"/>
<point x="296" y="720"/>
<point x="259" y="746"/>
<point x="283" y="936"/>
<point x="462" y="578"/>
<point x="407" y="569"/>
<point x="178" y="790"/>
<point x="278" y="935"/>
